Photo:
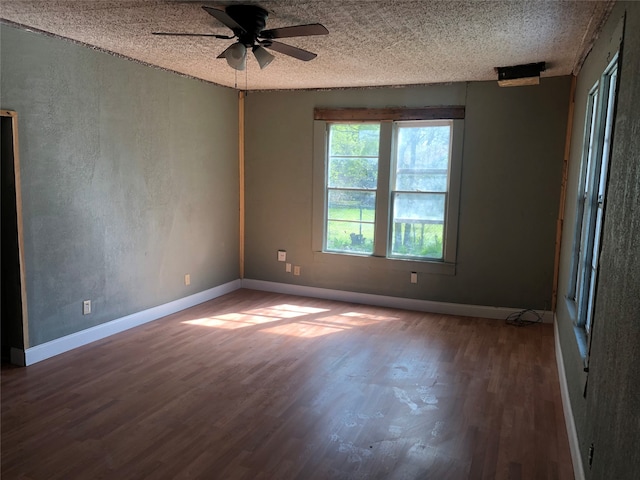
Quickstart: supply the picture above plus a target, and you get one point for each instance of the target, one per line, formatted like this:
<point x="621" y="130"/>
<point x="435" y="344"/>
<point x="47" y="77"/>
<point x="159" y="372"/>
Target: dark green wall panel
<point x="129" y="181"/>
<point x="511" y="167"/>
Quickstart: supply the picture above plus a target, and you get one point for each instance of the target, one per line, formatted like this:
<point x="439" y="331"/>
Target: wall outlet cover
<point x="282" y="255"/>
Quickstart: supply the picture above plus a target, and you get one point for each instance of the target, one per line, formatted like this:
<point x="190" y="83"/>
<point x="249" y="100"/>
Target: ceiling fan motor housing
<point x="250" y="17"/>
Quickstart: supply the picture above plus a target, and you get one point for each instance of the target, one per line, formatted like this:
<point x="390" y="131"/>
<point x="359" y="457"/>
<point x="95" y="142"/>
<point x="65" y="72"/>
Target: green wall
<point x="129" y="181"/>
<point x="511" y="167"/>
<point x="606" y="414"/>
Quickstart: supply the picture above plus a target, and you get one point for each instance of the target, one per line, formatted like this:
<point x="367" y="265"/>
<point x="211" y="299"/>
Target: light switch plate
<point x="282" y="255"/>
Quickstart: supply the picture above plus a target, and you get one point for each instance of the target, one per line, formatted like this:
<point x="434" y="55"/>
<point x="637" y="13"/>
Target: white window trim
<point x="379" y="257"/>
<point x="596" y="155"/>
<point x="589" y="128"/>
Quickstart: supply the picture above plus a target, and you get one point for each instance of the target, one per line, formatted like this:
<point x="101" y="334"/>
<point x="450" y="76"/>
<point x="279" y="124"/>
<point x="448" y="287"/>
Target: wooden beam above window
<point x="389" y="114"/>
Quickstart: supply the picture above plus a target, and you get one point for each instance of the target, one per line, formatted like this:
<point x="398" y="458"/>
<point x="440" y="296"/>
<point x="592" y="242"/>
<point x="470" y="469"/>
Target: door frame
<point x="17" y="355"/>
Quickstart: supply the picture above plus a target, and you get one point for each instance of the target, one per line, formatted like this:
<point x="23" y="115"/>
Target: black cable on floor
<point x="524" y="318"/>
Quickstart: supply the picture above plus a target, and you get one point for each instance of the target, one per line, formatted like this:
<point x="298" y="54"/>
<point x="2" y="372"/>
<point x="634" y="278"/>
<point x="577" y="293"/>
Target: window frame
<point x="591" y="204"/>
<point x="329" y="188"/>
<point x="394" y="190"/>
<point x="386" y="119"/>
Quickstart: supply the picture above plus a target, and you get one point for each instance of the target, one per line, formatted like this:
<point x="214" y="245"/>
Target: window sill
<point x="579" y="332"/>
<point x="396" y="264"/>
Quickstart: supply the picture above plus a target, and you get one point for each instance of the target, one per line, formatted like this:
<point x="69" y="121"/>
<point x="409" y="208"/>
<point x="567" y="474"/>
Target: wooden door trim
<point x="16" y="170"/>
<point x="241" y="96"/>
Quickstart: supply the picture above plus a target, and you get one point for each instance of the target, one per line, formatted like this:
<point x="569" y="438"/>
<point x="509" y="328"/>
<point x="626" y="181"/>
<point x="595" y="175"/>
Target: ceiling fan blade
<point x="179" y="34"/>
<point x="295" y="31"/>
<point x="294" y="52"/>
<point x="224" y="18"/>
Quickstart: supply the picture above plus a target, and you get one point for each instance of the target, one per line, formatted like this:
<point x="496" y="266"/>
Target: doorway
<point x="14" y="333"/>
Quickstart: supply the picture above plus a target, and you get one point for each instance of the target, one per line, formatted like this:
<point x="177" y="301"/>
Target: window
<point x="591" y="197"/>
<point x="352" y="179"/>
<point x="388" y="188"/>
<point x="419" y="188"/>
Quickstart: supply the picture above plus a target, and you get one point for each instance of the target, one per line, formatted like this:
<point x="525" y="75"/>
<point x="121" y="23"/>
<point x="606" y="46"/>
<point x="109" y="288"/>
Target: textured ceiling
<point x="370" y="42"/>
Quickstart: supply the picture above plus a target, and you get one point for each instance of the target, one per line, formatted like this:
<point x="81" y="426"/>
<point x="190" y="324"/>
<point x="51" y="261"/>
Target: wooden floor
<point x="255" y="385"/>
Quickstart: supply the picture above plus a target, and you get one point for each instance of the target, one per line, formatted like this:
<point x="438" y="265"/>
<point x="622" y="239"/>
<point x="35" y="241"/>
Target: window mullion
<point x="382" y="197"/>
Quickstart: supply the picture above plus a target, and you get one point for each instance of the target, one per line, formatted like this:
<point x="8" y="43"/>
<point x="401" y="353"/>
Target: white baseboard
<point x="574" y="445"/>
<point x="387" y="301"/>
<point x="69" y="342"/>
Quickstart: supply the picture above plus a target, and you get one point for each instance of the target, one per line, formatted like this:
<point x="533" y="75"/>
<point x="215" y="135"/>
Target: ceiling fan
<point x="247" y="22"/>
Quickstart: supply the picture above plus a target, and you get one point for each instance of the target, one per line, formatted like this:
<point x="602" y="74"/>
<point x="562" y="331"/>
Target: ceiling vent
<point x="519" y="75"/>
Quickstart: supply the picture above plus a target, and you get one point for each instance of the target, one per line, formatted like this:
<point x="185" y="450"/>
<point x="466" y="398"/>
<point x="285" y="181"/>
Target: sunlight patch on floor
<point x="308" y="325"/>
<point x="231" y="321"/>
<point x="365" y="318"/>
<point x="310" y="328"/>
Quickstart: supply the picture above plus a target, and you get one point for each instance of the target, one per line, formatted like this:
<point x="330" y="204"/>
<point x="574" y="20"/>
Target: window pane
<point x="598" y="150"/>
<point x="583" y="210"/>
<point x="598" y="192"/>
<point x="354" y="139"/>
<point x="350" y="221"/>
<point x="350" y="237"/>
<point x="422" y="158"/>
<point x="352" y="179"/>
<point x="353" y="172"/>
<point x="351" y="205"/>
<point x="418" y="224"/>
<point x="596" y="239"/>
<point x="421" y="180"/>
<point x="592" y="139"/>
<point x="422" y="207"/>
<point x="606" y="148"/>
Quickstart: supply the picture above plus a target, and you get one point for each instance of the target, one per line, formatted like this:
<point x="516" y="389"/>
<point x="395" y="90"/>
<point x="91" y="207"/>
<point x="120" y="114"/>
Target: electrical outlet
<point x="296" y="270"/>
<point x="287" y="267"/>
<point x="282" y="255"/>
<point x="414" y="277"/>
<point x="86" y="307"/>
<point x="187" y="279"/>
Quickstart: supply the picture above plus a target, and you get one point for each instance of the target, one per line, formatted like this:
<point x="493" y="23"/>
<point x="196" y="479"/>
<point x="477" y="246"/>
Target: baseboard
<point x="69" y="342"/>
<point x="387" y="301"/>
<point x="574" y="445"/>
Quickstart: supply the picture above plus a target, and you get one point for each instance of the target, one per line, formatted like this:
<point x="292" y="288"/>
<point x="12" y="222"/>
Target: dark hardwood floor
<point x="256" y="385"/>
